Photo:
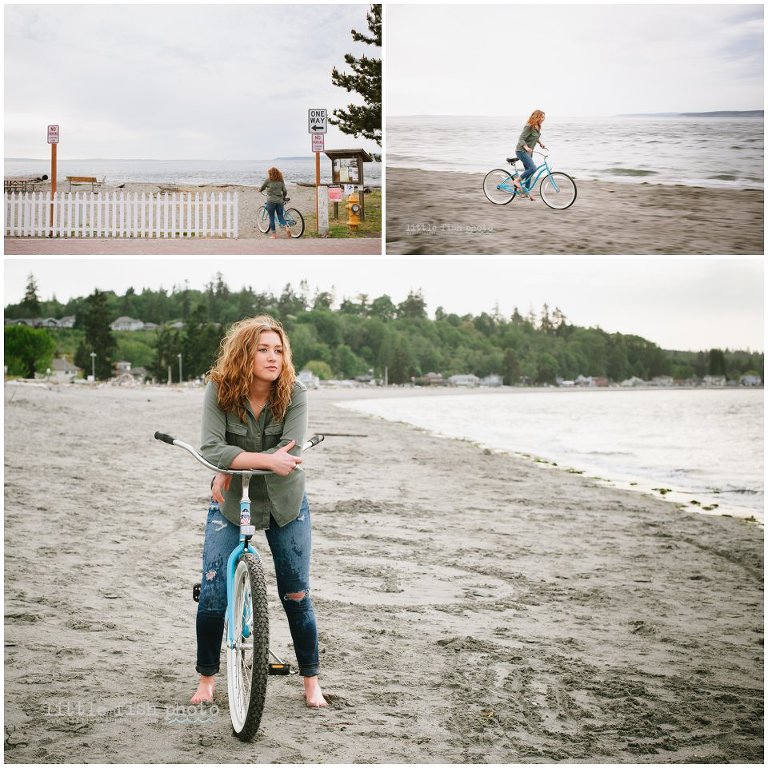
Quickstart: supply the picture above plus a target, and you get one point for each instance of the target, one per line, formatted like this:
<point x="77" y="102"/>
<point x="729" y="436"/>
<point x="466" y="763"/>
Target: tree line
<point x="352" y="337"/>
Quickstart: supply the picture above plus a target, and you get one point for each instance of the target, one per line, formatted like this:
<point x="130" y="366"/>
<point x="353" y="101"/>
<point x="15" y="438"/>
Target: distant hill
<point x="726" y="113"/>
<point x="721" y="113"/>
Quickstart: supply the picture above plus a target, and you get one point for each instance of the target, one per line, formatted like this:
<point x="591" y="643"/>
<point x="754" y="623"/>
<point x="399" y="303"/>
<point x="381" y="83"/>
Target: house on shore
<point x="63" y="370"/>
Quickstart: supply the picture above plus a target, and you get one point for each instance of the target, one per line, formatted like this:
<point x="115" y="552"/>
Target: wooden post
<point x="317" y="191"/>
<point x="53" y="140"/>
<point x="53" y="182"/>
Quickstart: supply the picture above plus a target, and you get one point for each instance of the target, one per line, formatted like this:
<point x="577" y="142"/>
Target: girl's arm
<point x="218" y="451"/>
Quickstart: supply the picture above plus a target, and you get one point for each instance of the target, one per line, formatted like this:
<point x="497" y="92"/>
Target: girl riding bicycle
<point x="276" y="195"/>
<point x="525" y="146"/>
<point x="254" y="416"/>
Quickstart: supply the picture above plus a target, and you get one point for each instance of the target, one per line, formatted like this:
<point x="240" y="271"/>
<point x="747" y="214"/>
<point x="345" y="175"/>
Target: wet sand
<point x="431" y="212"/>
<point x="473" y="607"/>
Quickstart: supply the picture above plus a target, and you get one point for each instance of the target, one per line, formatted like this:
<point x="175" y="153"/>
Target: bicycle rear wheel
<point x="248" y="661"/>
<point x="262" y="220"/>
<point x="558" y="190"/>
<point x="295" y="222"/>
<point x="498" y="187"/>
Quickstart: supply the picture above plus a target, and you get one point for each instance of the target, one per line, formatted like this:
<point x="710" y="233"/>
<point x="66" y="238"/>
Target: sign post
<point x="317" y="125"/>
<point x="53" y="140"/>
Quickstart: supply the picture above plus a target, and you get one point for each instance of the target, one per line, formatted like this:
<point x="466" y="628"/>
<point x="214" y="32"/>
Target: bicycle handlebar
<point x="314" y="440"/>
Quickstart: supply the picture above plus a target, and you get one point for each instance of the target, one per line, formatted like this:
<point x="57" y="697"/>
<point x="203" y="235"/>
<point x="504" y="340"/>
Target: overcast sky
<point x="694" y="303"/>
<point x="183" y="81"/>
<point x="573" y="60"/>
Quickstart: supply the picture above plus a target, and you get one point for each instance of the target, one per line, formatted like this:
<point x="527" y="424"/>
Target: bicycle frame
<point x="542" y="169"/>
<point x="246" y="529"/>
<point x="287" y="216"/>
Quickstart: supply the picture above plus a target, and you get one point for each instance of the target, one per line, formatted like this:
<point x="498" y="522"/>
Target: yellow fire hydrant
<point x="353" y="212"/>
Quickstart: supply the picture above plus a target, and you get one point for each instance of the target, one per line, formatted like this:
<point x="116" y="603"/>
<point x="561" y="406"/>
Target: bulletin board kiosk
<point x="347" y="168"/>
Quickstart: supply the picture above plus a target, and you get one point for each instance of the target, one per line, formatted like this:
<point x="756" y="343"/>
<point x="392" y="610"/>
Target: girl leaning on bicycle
<point x="276" y="195"/>
<point x="529" y="138"/>
<point x="254" y="417"/>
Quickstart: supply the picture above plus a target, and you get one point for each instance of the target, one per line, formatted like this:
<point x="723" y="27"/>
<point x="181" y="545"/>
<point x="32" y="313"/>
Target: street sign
<point x="53" y="134"/>
<point x="318" y="142"/>
<point x="317" y="121"/>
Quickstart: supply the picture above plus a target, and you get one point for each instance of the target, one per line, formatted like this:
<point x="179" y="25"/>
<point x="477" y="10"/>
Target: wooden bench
<point x="92" y="180"/>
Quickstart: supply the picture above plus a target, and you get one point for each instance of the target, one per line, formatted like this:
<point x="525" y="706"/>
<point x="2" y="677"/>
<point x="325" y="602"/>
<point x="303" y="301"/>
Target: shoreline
<point x="628" y="180"/>
<point x="552" y="619"/>
<point x="700" y="502"/>
<point x="440" y="212"/>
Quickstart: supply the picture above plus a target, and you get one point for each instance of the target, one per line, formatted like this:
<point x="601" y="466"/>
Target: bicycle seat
<point x="513" y="160"/>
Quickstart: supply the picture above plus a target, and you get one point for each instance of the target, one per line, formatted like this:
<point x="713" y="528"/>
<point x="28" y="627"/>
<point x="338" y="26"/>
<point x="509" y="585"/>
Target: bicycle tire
<point x="262" y="220"/>
<point x="248" y="661"/>
<point x="491" y="189"/>
<point x="561" y="198"/>
<point x="295" y="222"/>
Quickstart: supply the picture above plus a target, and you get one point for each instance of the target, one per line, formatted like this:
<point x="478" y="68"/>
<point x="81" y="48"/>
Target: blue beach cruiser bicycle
<point x="293" y="219"/>
<point x="246" y="625"/>
<point x="557" y="189"/>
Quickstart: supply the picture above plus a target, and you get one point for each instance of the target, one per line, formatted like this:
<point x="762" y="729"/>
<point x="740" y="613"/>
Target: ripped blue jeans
<point x="291" y="546"/>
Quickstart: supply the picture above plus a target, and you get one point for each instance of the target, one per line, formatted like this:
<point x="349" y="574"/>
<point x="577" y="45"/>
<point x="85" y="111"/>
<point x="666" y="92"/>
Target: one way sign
<point x="318" y="120"/>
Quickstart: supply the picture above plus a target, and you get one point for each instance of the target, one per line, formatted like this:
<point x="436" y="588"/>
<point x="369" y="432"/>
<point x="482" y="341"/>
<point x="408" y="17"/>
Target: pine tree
<point x="94" y="320"/>
<point x="31" y="302"/>
<point x="362" y="120"/>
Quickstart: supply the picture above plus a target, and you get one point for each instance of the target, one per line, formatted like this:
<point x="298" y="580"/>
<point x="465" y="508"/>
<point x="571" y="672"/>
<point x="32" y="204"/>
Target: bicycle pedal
<point x="196" y="592"/>
<point x="279" y="669"/>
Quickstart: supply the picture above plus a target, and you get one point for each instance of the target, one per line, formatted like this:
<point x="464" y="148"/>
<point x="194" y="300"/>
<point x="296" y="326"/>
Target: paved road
<point x="31" y="246"/>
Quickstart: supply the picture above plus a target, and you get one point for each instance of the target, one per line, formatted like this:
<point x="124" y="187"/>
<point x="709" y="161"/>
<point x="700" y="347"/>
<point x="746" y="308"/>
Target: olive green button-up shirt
<point x="276" y="191"/>
<point x="529" y="136"/>
<point x="224" y="436"/>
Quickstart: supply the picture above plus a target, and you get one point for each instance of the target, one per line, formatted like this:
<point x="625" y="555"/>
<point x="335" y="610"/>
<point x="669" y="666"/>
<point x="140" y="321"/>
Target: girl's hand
<point x="282" y="461"/>
<point x="220" y="484"/>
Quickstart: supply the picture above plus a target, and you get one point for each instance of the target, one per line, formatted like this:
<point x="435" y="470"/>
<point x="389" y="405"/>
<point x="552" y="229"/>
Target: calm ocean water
<point x="247" y="172"/>
<point x="704" y="445"/>
<point x="711" y="151"/>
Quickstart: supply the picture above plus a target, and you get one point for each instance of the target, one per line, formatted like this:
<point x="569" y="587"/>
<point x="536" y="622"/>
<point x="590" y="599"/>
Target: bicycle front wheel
<point x="248" y="660"/>
<point x="295" y="222"/>
<point x="498" y="187"/>
<point x="262" y="220"/>
<point x="558" y="190"/>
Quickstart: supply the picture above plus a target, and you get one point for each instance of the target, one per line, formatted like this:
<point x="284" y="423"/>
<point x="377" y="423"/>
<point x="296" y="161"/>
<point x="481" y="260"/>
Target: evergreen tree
<point x="362" y="120"/>
<point x="31" y="302"/>
<point x="94" y="321"/>
<point x="166" y="353"/>
<point x="717" y="364"/>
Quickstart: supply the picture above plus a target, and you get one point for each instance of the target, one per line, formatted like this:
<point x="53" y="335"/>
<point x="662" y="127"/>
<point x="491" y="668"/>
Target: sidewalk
<point x="36" y="246"/>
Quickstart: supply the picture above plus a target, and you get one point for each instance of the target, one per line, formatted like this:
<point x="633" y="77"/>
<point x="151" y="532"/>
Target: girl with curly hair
<point x="255" y="417"/>
<point x="276" y="196"/>
<point x="526" y="144"/>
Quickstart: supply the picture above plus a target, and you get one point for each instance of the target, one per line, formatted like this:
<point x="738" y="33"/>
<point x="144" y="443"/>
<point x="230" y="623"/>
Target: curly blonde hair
<point x="233" y="370"/>
<point x="536" y="118"/>
<point x="273" y="174"/>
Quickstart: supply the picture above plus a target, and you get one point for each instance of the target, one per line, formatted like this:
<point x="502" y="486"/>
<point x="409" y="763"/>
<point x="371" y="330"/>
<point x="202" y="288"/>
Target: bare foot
<point x="313" y="696"/>
<point x="273" y="236"/>
<point x="205" y="688"/>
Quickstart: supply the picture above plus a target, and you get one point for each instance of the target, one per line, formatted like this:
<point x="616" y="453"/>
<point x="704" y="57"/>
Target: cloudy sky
<point x="683" y="303"/>
<point x="176" y="81"/>
<point x="573" y="60"/>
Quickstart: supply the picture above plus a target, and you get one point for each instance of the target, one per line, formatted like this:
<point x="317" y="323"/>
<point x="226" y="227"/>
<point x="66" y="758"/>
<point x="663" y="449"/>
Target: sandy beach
<point x="472" y="606"/>
<point x="431" y="212"/>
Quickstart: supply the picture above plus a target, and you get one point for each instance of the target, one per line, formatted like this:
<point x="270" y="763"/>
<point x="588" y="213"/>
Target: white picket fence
<point x="120" y="214"/>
